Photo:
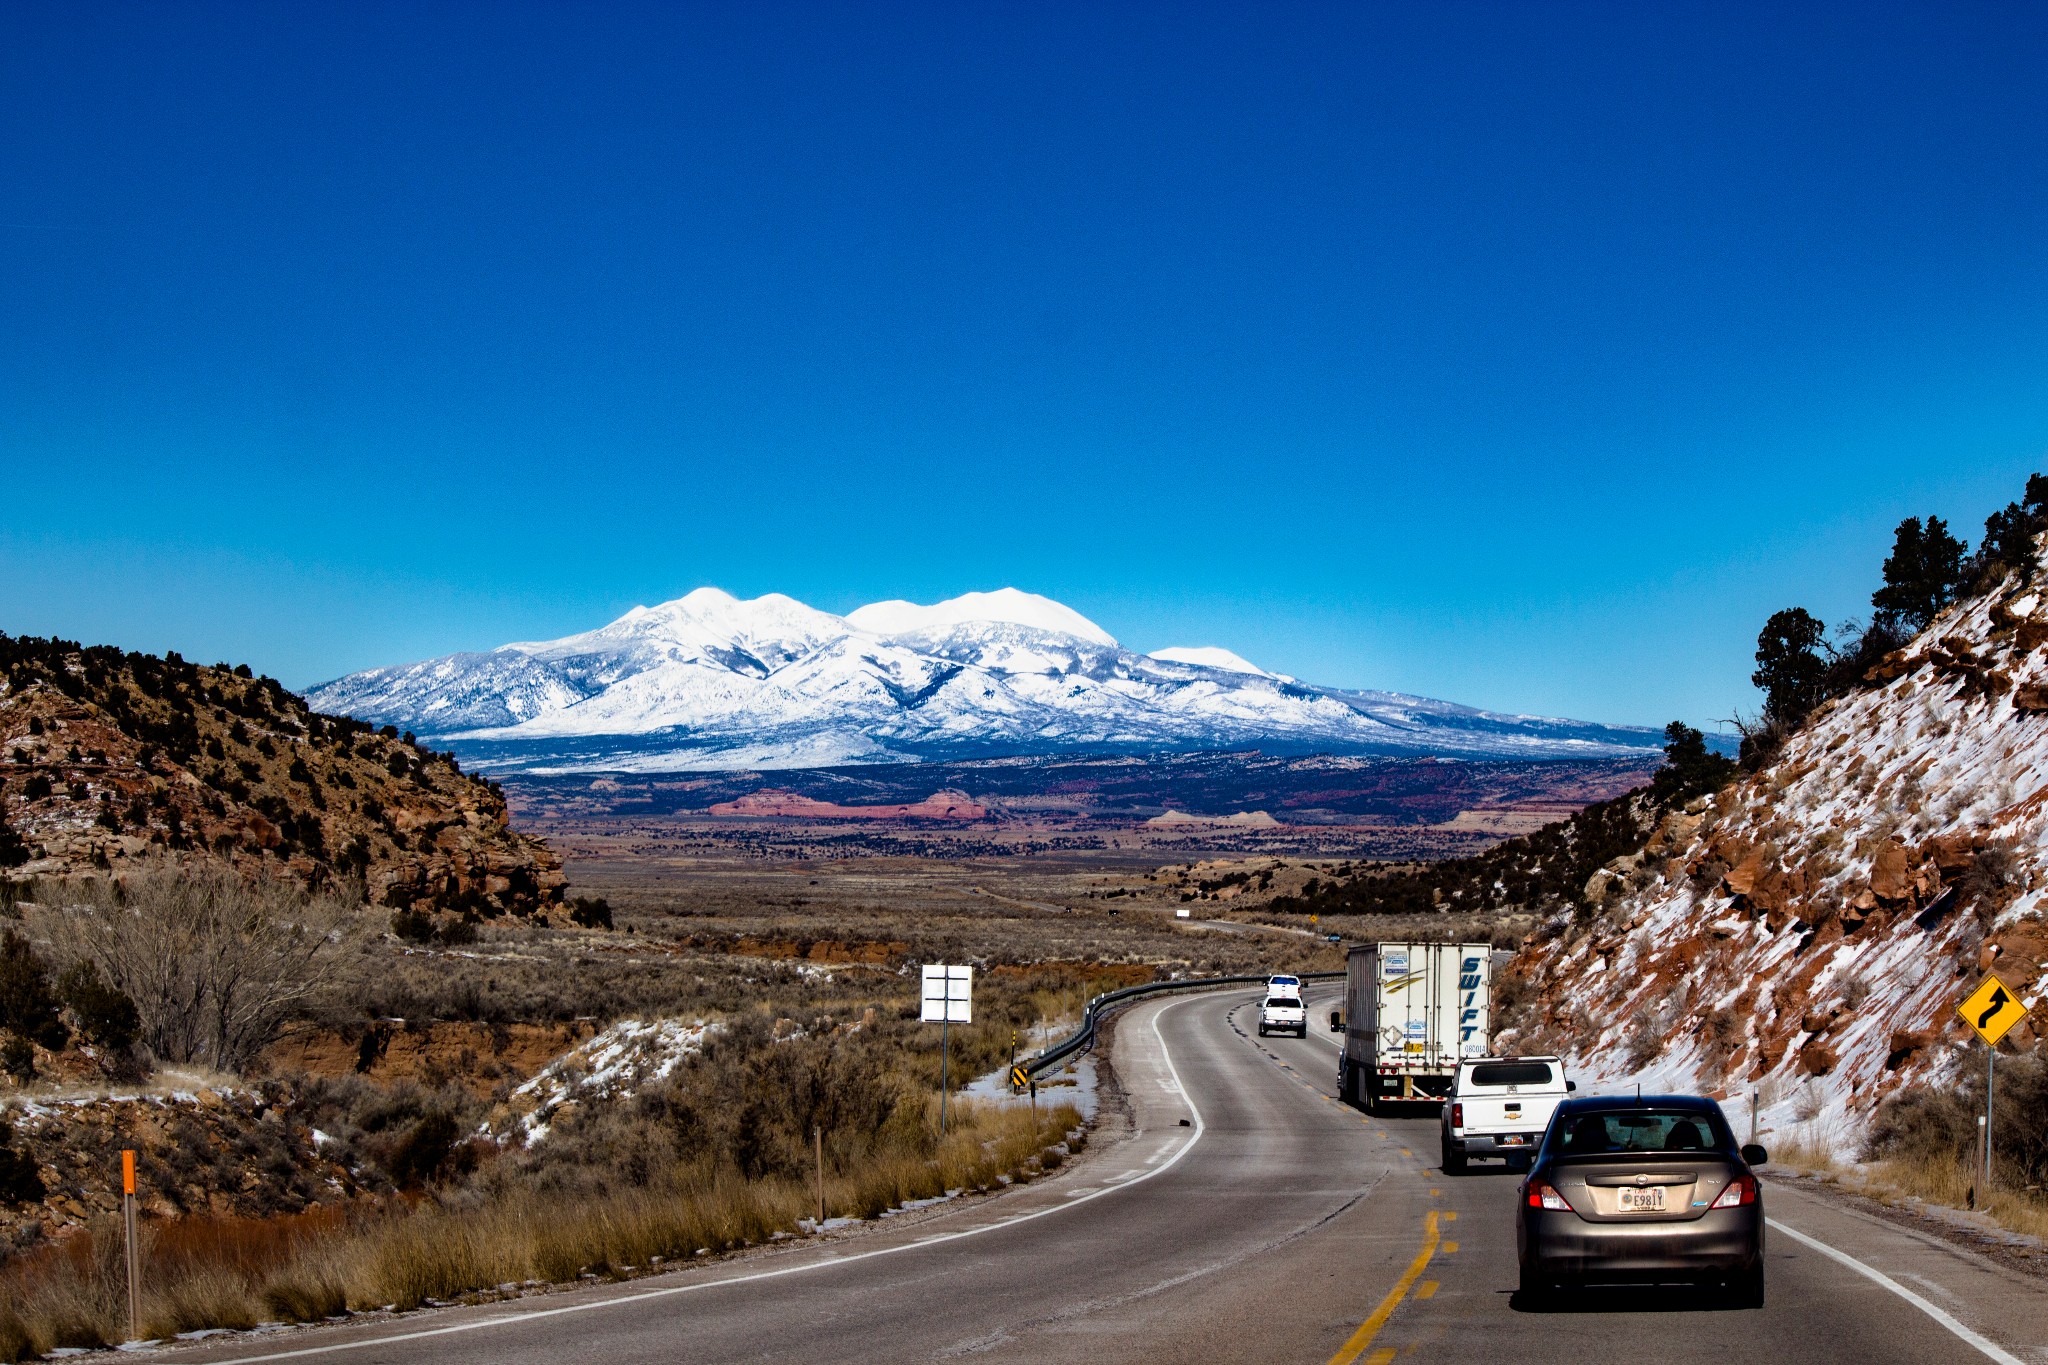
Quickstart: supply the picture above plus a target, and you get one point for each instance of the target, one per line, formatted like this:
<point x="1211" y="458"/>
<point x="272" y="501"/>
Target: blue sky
<point x="1527" y="356"/>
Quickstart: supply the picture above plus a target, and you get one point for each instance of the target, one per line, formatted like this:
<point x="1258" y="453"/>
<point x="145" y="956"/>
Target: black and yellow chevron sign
<point x="1019" y="1078"/>
<point x="1992" y="1009"/>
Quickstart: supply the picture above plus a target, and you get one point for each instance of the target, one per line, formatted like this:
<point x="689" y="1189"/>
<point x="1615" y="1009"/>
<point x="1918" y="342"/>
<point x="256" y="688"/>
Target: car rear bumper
<point x="1722" y="1242"/>
<point x="1496" y="1144"/>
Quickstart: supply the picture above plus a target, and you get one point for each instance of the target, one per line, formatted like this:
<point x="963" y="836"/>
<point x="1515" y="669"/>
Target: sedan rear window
<point x="1638" y="1130"/>
<point x="1512" y="1073"/>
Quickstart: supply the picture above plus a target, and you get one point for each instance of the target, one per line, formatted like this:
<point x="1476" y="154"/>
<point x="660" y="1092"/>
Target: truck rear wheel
<point x="1454" y="1160"/>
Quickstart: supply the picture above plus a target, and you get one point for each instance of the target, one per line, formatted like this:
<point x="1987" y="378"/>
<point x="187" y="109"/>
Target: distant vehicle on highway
<point x="1650" y="1189"/>
<point x="1284" y="985"/>
<point x="1283" y="1014"/>
<point x="1411" y="1012"/>
<point x="1334" y="938"/>
<point x="1499" y="1106"/>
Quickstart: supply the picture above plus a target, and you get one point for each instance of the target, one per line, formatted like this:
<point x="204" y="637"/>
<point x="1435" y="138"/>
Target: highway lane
<point x="1278" y="1226"/>
<point x="1465" y="1308"/>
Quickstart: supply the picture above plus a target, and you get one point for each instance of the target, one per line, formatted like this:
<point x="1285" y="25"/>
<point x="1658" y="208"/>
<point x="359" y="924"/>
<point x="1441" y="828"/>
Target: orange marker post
<point x="134" y="1244"/>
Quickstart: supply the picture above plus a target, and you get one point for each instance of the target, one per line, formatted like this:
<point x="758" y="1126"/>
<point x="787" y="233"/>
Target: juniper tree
<point x="1792" y="660"/>
<point x="1923" y="574"/>
<point x="2010" y="532"/>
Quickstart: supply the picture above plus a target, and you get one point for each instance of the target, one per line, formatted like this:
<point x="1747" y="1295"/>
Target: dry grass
<point x="239" y="1272"/>
<point x="1932" y="1177"/>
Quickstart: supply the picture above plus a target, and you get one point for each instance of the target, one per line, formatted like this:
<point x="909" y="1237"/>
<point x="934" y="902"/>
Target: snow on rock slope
<point x="712" y="682"/>
<point x="611" y="1065"/>
<point x="1808" y="932"/>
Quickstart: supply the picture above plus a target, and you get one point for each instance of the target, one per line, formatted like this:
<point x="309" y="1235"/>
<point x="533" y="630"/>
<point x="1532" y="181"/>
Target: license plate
<point x="1513" y="1140"/>
<point x="1649" y="1200"/>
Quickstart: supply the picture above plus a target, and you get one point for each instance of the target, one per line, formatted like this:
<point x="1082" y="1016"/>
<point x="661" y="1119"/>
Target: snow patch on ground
<point x="611" y="1065"/>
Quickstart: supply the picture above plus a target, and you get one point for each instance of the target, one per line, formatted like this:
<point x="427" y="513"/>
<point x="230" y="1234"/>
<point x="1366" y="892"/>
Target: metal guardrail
<point x="1083" y="1037"/>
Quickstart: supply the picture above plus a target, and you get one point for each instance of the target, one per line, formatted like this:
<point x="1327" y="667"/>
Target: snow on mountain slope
<point x="1210" y="656"/>
<point x="1808" y="932"/>
<point x="713" y="682"/>
<point x="1005" y="605"/>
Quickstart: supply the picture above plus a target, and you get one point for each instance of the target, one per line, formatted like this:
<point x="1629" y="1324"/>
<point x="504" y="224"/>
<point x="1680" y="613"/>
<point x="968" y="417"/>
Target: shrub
<point x="19" y="1182"/>
<point x="27" y="1007"/>
<point x="592" y="912"/>
<point x="212" y="963"/>
<point x="105" y="1014"/>
<point x="419" y="1155"/>
<point x="1926" y="1123"/>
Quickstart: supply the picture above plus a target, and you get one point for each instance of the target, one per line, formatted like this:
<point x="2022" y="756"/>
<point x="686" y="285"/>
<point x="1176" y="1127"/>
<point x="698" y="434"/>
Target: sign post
<point x="947" y="999"/>
<point x="134" y="1249"/>
<point x="818" y="1136"/>
<point x="1992" y="1010"/>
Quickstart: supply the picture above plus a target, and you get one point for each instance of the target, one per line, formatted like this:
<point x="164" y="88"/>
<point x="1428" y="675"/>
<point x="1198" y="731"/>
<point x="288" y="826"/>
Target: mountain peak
<point x="1008" y="606"/>
<point x="1210" y="656"/>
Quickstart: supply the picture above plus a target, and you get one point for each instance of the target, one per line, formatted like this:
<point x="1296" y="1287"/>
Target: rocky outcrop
<point x="768" y="803"/>
<point x="224" y="1152"/>
<point x="109" y="761"/>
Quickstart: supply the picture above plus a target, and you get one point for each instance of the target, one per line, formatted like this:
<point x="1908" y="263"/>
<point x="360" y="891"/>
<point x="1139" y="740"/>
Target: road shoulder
<point x="2006" y="1302"/>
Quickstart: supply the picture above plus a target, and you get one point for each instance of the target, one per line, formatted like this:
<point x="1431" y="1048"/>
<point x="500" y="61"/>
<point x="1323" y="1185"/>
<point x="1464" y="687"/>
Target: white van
<point x="1284" y="1014"/>
<point x="1499" y="1106"/>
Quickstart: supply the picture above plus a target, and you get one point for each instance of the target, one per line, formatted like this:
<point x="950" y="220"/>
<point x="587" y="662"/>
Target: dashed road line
<point x="1370" y="1328"/>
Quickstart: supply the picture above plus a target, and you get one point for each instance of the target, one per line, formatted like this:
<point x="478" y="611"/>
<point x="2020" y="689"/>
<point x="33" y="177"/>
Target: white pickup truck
<point x="1499" y="1106"/>
<point x="1284" y="1014"/>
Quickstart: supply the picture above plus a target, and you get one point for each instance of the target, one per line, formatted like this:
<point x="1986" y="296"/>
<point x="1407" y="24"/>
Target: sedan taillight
<point x="1740" y="1191"/>
<point x="1542" y="1196"/>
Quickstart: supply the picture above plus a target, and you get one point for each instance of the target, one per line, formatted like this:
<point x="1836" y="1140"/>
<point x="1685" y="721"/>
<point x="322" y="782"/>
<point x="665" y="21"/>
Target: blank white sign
<point x="948" y="995"/>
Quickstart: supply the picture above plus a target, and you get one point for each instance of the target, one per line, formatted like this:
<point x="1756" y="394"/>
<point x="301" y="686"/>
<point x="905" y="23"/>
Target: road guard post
<point x="134" y="1246"/>
<point x="1992" y="1010"/>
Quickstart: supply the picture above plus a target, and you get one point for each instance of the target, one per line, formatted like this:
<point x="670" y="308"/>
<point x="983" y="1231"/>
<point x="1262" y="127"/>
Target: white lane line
<point x="514" y="1319"/>
<point x="1989" y="1348"/>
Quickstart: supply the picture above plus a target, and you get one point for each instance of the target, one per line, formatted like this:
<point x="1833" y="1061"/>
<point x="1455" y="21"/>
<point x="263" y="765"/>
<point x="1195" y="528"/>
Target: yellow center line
<point x="1383" y="1356"/>
<point x="1370" y="1328"/>
<point x="1426" y="1290"/>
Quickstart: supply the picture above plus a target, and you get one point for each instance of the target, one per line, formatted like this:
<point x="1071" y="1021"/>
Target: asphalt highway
<point x="1276" y="1225"/>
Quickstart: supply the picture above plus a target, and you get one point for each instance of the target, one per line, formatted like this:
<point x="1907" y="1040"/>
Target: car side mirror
<point x="1754" y="1155"/>
<point x="1570" y="1086"/>
<point x="1336" y="1021"/>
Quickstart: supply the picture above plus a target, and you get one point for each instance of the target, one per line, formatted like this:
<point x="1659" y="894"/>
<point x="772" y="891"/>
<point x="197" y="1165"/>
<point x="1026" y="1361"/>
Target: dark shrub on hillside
<point x="28" y="1009"/>
<point x="592" y="912"/>
<point x="420" y="1155"/>
<point x="104" y="1013"/>
<point x="19" y="1183"/>
<point x="1931" y="1123"/>
<point x="412" y="926"/>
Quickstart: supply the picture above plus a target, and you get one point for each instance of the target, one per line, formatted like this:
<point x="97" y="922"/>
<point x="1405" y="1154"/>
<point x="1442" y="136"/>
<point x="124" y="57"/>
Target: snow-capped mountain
<point x="709" y="681"/>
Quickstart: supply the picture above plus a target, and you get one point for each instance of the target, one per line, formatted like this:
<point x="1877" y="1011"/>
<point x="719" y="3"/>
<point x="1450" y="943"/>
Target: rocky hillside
<point x="1808" y="931"/>
<point x="108" y="760"/>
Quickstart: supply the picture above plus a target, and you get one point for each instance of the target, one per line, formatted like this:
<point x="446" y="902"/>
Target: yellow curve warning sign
<point x="1992" y="1009"/>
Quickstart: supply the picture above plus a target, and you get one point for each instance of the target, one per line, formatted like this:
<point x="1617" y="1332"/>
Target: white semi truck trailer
<point x="1411" y="1012"/>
